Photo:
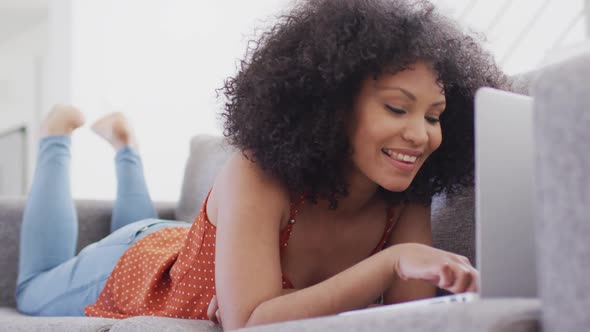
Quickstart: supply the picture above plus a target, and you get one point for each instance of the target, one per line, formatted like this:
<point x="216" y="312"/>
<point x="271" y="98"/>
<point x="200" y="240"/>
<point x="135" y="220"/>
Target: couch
<point x="563" y="196"/>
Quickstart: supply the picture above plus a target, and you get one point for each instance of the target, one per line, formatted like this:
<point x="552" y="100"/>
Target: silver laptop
<point x="504" y="193"/>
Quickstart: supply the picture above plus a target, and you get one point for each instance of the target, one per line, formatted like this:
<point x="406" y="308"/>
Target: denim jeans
<point x="52" y="280"/>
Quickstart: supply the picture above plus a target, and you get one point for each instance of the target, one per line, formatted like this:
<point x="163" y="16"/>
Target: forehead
<point x="419" y="78"/>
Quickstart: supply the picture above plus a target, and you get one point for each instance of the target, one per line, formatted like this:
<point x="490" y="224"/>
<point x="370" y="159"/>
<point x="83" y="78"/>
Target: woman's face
<point x="396" y="125"/>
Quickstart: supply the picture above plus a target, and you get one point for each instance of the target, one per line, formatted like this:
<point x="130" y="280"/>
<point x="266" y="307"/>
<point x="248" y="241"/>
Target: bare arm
<point x="413" y="226"/>
<point x="248" y="268"/>
<point x="351" y="289"/>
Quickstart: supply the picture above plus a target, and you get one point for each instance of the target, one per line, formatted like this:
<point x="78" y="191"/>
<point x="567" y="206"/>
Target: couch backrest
<point x="207" y="156"/>
<point x="11" y="212"/>
<point x="453" y="223"/>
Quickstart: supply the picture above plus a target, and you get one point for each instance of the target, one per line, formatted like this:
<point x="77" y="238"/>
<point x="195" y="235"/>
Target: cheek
<point x="435" y="139"/>
<point x="366" y="132"/>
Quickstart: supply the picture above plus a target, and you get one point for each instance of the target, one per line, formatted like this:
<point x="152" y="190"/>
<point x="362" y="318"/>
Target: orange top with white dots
<point x="171" y="272"/>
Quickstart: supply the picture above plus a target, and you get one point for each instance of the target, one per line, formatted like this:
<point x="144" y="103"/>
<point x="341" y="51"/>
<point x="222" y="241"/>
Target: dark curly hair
<point x="290" y="102"/>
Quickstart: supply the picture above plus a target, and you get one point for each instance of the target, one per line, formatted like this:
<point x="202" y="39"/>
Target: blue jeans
<point x="52" y="280"/>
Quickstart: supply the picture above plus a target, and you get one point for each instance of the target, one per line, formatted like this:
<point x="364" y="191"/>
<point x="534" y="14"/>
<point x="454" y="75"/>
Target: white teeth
<point x="400" y="156"/>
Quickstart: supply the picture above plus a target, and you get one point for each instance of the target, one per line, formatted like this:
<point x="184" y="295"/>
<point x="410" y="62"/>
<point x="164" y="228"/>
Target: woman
<point x="349" y="116"/>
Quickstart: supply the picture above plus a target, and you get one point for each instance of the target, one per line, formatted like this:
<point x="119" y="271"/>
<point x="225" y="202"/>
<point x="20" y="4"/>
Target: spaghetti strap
<point x="387" y="231"/>
<point x="295" y="205"/>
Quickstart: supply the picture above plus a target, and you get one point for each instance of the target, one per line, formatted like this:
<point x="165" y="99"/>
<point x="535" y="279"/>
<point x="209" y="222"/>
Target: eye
<point x="432" y="120"/>
<point x="395" y="110"/>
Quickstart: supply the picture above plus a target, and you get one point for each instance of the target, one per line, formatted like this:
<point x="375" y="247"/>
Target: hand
<point x="213" y="311"/>
<point x="441" y="268"/>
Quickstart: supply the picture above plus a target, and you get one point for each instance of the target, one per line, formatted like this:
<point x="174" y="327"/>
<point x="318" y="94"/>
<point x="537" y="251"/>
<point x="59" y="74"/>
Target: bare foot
<point x="116" y="130"/>
<point x="62" y="120"/>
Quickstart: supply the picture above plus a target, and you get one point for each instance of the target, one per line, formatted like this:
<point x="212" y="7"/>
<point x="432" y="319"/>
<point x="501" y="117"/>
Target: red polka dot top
<point x="171" y="272"/>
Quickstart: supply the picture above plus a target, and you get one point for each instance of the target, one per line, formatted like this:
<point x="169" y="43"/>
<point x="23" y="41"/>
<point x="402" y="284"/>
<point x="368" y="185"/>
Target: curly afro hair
<point x="291" y="100"/>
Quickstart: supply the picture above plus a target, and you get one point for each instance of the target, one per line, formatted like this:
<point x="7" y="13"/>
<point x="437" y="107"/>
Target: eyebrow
<point x="410" y="95"/>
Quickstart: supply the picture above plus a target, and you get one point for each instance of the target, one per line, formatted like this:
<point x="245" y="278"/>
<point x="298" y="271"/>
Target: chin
<point x="395" y="187"/>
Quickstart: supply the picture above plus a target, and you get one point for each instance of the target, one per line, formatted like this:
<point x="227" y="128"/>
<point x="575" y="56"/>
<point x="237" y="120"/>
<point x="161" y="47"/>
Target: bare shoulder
<point x="242" y="180"/>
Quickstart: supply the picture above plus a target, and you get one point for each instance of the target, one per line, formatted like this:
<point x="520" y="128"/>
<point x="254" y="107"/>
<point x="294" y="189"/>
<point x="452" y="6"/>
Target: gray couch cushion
<point x="487" y="315"/>
<point x="453" y="223"/>
<point x="158" y="324"/>
<point x="497" y="315"/>
<point x="521" y="83"/>
<point x="10" y="320"/>
<point x="562" y="122"/>
<point x="10" y="220"/>
<point x="207" y="156"/>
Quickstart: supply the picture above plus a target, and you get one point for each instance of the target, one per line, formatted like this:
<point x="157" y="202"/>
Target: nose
<point x="415" y="131"/>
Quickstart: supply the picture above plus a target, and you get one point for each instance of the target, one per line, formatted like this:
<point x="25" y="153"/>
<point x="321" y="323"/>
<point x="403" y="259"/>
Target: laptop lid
<point x="504" y="155"/>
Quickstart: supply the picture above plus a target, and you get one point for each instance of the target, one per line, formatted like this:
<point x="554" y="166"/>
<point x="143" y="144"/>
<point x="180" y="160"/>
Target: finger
<point x="474" y="286"/>
<point x="212" y="310"/>
<point x="218" y="316"/>
<point x="446" y="277"/>
<point x="464" y="260"/>
<point x="463" y="279"/>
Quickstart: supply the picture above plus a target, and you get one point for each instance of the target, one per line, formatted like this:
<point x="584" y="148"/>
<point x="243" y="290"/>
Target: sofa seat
<point x="12" y="320"/>
<point x="162" y="324"/>
<point x="490" y="315"/>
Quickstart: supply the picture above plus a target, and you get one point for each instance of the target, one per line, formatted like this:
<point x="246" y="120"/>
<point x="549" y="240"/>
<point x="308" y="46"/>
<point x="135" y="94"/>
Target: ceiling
<point x="18" y="15"/>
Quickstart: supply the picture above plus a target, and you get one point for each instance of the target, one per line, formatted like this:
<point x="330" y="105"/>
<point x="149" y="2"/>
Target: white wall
<point x="159" y="62"/>
<point x="520" y="33"/>
<point x="21" y="72"/>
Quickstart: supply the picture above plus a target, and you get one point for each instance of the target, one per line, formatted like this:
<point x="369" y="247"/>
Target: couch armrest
<point x="561" y="122"/>
<point x="94" y="222"/>
<point x="94" y="218"/>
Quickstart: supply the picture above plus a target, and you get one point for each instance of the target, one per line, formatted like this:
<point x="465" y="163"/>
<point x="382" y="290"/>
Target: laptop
<point x="504" y="191"/>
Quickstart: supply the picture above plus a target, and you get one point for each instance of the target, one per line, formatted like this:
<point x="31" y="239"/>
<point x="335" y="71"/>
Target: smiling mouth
<point x="404" y="158"/>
